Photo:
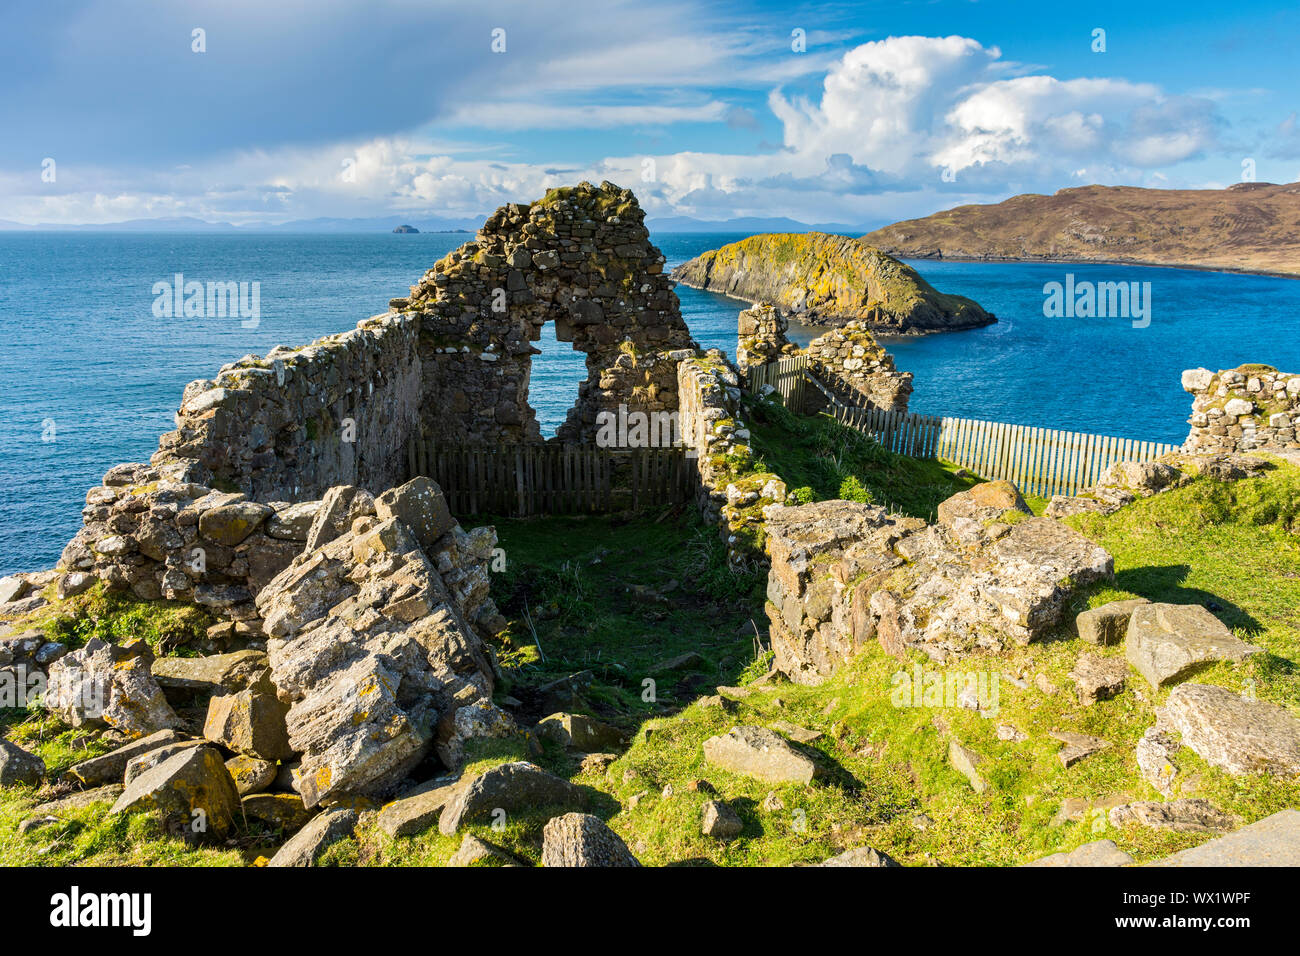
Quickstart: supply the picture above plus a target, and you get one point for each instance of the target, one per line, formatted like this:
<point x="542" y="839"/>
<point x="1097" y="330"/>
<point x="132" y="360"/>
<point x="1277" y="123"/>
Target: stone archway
<point x="579" y="257"/>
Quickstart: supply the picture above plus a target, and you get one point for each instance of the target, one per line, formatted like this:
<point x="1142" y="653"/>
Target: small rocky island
<point x="831" y="280"/>
<point x="407" y="230"/>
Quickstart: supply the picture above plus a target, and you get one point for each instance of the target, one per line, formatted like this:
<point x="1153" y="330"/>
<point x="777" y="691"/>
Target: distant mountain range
<point x="435" y="224"/>
<point x="1249" y="227"/>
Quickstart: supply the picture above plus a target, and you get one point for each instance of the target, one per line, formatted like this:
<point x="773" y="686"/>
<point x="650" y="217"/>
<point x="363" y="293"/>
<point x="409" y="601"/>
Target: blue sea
<point x="89" y="377"/>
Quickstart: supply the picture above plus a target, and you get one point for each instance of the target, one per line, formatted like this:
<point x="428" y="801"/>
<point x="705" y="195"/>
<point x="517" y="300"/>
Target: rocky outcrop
<point x="1244" y="409"/>
<point x="984" y="576"/>
<point x="193" y="791"/>
<point x="369" y="644"/>
<point x="830" y="280"/>
<point x="581" y="257"/>
<point x="509" y="787"/>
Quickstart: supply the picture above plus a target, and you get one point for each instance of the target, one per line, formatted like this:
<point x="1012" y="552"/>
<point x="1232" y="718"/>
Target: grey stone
<point x="580" y="732"/>
<point x="212" y="674"/>
<point x="1169" y="642"/>
<point x="230" y="524"/>
<point x="1234" y="733"/>
<point x="476" y="852"/>
<point x="420" y="505"/>
<point x="517" y="786"/>
<point x="580" y="839"/>
<point x="250" y="722"/>
<point x="1273" y="841"/>
<point x="1106" y="624"/>
<point x="109" y="767"/>
<point x="305" y="847"/>
<point x="1181" y="816"/>
<point x="720" y="821"/>
<point x="17" y="766"/>
<point x="966" y="762"/>
<point x="294" y="522"/>
<point x="861" y="856"/>
<point x="416" y="811"/>
<point x="1098" y="678"/>
<point x="1077" y="746"/>
<point x="760" y="753"/>
<point x="195" y="779"/>
<point x="1097" y="853"/>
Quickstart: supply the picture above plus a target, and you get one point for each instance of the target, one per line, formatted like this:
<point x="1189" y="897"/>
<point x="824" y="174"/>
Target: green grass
<point x="614" y="596"/>
<point x="819" y="459"/>
<point x="887" y="765"/>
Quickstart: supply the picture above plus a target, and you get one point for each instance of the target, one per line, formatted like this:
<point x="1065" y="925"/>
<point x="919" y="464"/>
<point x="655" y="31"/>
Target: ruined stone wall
<point x="1242" y="409"/>
<point x="850" y="362"/>
<point x="288" y="426"/>
<point x="580" y="257"/>
<point x="761" y="337"/>
<point x="984" y="577"/>
<point x="731" y="490"/>
<point x="162" y="531"/>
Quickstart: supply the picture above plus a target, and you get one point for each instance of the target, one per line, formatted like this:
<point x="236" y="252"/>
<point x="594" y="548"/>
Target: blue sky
<point x="889" y="110"/>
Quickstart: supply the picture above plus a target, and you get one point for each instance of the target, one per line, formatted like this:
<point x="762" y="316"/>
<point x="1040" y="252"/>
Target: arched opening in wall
<point x="557" y="371"/>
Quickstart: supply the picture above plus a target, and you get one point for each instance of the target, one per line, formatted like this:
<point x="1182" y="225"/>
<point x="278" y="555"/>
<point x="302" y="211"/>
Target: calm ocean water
<point x="90" y="378"/>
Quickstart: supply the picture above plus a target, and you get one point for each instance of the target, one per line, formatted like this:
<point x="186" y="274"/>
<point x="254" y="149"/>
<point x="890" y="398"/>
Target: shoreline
<point x="1136" y="263"/>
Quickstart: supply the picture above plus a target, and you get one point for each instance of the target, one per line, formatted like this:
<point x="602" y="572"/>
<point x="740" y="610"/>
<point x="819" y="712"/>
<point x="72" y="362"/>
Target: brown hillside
<point x="1249" y="227"/>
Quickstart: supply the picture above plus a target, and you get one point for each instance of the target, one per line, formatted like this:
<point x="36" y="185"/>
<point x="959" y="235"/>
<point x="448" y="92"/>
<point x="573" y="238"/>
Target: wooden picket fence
<point x="534" y="479"/>
<point x="786" y="375"/>
<point x="1041" y="461"/>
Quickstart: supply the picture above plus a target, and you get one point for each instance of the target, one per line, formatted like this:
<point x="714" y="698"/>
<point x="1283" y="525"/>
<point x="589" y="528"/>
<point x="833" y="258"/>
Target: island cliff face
<point x="1249" y="227"/>
<point x="830" y="280"/>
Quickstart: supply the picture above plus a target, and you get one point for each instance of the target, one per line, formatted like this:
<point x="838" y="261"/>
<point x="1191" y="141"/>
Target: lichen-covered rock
<point x="580" y="839"/>
<point x="283" y="811"/>
<point x="250" y="774"/>
<point x="109" y="767"/>
<point x="1181" y="816"/>
<point x="830" y="279"/>
<point x="478" y="720"/>
<point x="370" y="648"/>
<point x="720" y="821"/>
<point x="192" y="789"/>
<point x="109" y="684"/>
<point x="1235" y="733"/>
<point x="849" y="363"/>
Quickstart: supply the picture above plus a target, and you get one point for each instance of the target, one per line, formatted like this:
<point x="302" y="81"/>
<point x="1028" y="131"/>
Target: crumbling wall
<point x="580" y="257"/>
<point x="985" y="576"/>
<point x="761" y="337"/>
<point x="1242" y="409"/>
<point x="288" y="426"/>
<point x="731" y="490"/>
<point x="850" y="362"/>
